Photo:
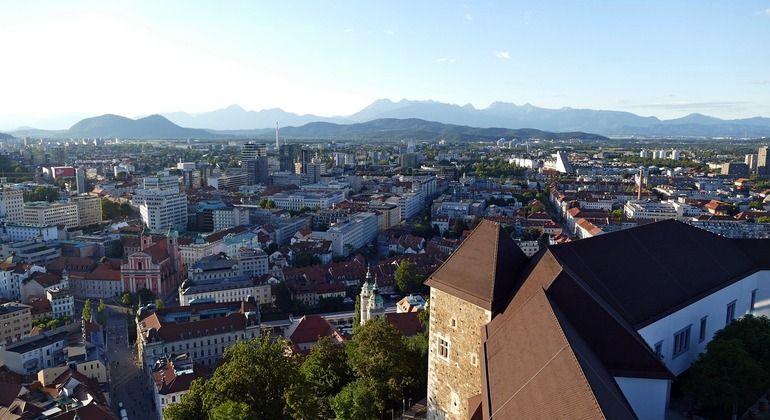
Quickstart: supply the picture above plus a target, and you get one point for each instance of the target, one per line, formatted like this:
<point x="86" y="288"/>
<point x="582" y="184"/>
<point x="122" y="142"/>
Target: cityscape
<point x="302" y="244"/>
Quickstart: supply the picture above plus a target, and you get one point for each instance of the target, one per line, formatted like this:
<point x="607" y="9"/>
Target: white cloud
<point x="765" y="12"/>
<point x="389" y="32"/>
<point x="468" y="16"/>
<point x="348" y="30"/>
<point x="446" y="60"/>
<point x="503" y="55"/>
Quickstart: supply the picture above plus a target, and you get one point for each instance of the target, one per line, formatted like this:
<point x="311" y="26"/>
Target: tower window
<point x="443" y="348"/>
<point x="453" y="323"/>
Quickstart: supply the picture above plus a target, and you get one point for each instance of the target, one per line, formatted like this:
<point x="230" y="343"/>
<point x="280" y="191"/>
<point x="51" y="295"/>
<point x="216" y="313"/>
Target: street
<point x="127" y="382"/>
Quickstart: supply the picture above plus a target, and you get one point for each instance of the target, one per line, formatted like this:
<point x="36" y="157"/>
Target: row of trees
<point x="112" y="210"/>
<point x="101" y="312"/>
<point x="41" y="194"/>
<point x="360" y="380"/>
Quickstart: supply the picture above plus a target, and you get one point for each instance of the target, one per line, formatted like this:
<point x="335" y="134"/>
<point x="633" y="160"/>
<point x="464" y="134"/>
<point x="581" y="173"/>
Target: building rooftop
<point x="483" y="270"/>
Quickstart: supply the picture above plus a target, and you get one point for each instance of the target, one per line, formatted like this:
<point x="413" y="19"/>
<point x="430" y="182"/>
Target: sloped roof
<point x="311" y="328"/>
<point x="407" y="323"/>
<point x="483" y="270"/>
<point x="681" y="263"/>
<point x="555" y="375"/>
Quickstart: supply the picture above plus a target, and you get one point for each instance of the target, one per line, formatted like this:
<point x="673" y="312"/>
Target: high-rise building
<point x="256" y="171"/>
<point x="751" y="160"/>
<point x="762" y="164"/>
<point x="11" y="205"/>
<point x="313" y="171"/>
<point x="306" y="155"/>
<point x="161" y="204"/>
<point x="80" y="179"/>
<point x="287" y="154"/>
<point x="251" y="151"/>
<point x="254" y="160"/>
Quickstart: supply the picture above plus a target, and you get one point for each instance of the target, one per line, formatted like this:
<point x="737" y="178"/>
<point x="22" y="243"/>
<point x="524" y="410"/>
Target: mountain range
<point x="408" y="128"/>
<point x="498" y="114"/>
<point x="405" y="118"/>
<point x="159" y="127"/>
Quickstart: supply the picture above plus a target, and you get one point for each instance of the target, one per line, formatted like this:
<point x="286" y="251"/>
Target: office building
<point x="763" y="166"/>
<point x="161" y="205"/>
<point x="15" y="322"/>
<point x="11" y="205"/>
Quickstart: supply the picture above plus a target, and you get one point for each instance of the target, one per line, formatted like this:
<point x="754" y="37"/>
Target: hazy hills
<point x="416" y="119"/>
<point x="499" y="114"/>
<point x="236" y="118"/>
<point x="4" y="136"/>
<point x="158" y="127"/>
<point x="411" y="128"/>
<point x="153" y="126"/>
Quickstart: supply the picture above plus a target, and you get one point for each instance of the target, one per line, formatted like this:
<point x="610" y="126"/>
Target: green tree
<point x="326" y="371"/>
<point x="254" y="372"/>
<point x="126" y="299"/>
<point x="190" y="406"/>
<point x="406" y="276"/>
<point x="763" y="219"/>
<point x="376" y="353"/>
<point x="358" y="401"/>
<point x="756" y="205"/>
<point x="725" y="379"/>
<point x="87" y="310"/>
<point x="159" y="304"/>
<point x="231" y="410"/>
<point x="754" y="333"/>
<point x="101" y="312"/>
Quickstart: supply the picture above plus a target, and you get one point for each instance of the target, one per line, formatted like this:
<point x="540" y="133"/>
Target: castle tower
<point x="466" y="292"/>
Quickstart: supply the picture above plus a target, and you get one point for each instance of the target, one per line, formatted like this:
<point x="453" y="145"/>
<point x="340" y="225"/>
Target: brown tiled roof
<point x="222" y="233"/>
<point x="39" y="305"/>
<point x="408" y="323"/>
<point x="311" y="328"/>
<point x="45" y="279"/>
<point x="175" y="331"/>
<point x="174" y="383"/>
<point x="483" y="270"/>
<point x="8" y="393"/>
<point x="554" y="374"/>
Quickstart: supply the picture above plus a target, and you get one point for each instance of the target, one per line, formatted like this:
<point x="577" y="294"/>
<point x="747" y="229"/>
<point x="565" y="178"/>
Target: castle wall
<point x="454" y="379"/>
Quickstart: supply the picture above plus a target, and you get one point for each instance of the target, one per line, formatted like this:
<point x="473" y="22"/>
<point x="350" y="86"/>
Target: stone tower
<point x="466" y="292"/>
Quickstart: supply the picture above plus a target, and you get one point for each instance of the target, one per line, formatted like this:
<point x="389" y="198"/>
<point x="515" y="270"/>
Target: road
<point x="127" y="382"/>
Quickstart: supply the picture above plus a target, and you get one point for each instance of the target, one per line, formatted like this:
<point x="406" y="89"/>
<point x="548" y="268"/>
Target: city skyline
<point x="334" y="58"/>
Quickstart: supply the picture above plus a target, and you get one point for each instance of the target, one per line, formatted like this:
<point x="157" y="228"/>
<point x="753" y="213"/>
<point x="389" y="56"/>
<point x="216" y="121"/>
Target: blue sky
<point x="664" y="58"/>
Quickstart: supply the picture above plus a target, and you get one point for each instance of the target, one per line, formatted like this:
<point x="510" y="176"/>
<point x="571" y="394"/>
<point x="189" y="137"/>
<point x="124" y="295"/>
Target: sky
<point x="62" y="61"/>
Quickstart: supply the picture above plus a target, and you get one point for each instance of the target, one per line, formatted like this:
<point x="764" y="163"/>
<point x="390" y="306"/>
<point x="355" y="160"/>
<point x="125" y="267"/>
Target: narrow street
<point x="128" y="385"/>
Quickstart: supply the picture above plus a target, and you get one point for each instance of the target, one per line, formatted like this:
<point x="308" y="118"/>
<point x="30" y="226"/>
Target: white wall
<point x="713" y="306"/>
<point x="647" y="397"/>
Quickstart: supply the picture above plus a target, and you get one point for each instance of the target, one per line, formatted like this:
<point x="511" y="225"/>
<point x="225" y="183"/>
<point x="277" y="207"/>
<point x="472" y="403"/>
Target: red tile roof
<point x="408" y="323"/>
<point x="311" y="328"/>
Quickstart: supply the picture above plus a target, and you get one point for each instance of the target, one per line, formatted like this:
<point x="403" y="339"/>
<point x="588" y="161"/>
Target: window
<point x="730" y="315"/>
<point x="702" y="332"/>
<point x="453" y="323"/>
<point x="682" y="341"/>
<point x="443" y="348"/>
<point x="753" y="300"/>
